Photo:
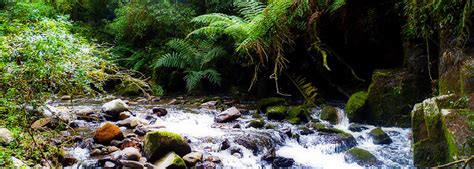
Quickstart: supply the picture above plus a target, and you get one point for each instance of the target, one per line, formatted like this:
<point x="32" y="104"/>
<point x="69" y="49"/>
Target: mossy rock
<point x="361" y="157"/>
<point x="256" y="115"/>
<point x="276" y="112"/>
<point x="171" y="161"/>
<point x="330" y="114"/>
<point x="263" y="104"/>
<point x="299" y="114"/>
<point x="355" y="107"/>
<point x="257" y="123"/>
<point x="270" y="126"/>
<point x="158" y="144"/>
<point x="317" y="126"/>
<point x="128" y="88"/>
<point x="379" y="136"/>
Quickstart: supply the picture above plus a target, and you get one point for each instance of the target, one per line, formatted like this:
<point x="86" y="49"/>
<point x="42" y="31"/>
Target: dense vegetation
<point x="307" y="49"/>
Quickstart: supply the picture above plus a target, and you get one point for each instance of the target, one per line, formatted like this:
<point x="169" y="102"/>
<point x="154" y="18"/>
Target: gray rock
<point x="228" y="115"/>
<point x="132" y="164"/>
<point x="114" y="107"/>
<point x="192" y="158"/>
<point x="131" y="153"/>
<point x="5" y="136"/>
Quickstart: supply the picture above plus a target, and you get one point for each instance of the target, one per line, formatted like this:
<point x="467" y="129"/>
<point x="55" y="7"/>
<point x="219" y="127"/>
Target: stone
<point x="209" y="104"/>
<point x="85" y="111"/>
<point x="213" y="159"/>
<point x="305" y="130"/>
<point x="109" y="165"/>
<point x="114" y="108"/>
<point x="107" y="132"/>
<point x="379" y="136"/>
<point x="171" y="160"/>
<point x="257" y="123"/>
<point x="330" y="114"/>
<point x="357" y="127"/>
<point x="157" y="144"/>
<point x="269" y="156"/>
<point x="132" y="164"/>
<point x="268" y="102"/>
<point x="132" y="122"/>
<point x="61" y="113"/>
<point x="257" y="142"/>
<point x="17" y="163"/>
<point x="228" y="115"/>
<point x="111" y="149"/>
<point x="131" y="153"/>
<point x="5" y="136"/>
<point x="225" y="145"/>
<point x="298" y="114"/>
<point x="124" y="115"/>
<point x="66" y="97"/>
<point x="276" y="112"/>
<point x="206" y="165"/>
<point x="40" y="123"/>
<point x="130" y="143"/>
<point x="192" y="158"/>
<point x="361" y="157"/>
<point x="356" y="107"/>
<point x="279" y="162"/>
<point x="140" y="130"/>
<point x="159" y="111"/>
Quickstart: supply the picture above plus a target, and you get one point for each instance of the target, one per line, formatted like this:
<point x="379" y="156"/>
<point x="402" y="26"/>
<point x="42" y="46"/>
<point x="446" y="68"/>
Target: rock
<point x="40" y="123"/>
<point x="171" y="160"/>
<point x="209" y="104"/>
<point x="130" y="143"/>
<point x="361" y="157"/>
<point x="298" y="114"/>
<point x="206" y="165"/>
<point x="269" y="156"/>
<point x="17" y="163"/>
<point x="192" y="159"/>
<point x="116" y="143"/>
<point x="257" y="142"/>
<point x="282" y="162"/>
<point x="379" y="136"/>
<point x="66" y="97"/>
<point x="258" y="123"/>
<point x="276" y="112"/>
<point x="111" y="149"/>
<point x="131" y="153"/>
<point x="343" y="140"/>
<point x="61" y="113"/>
<point x="330" y="114"/>
<point x="213" y="159"/>
<point x="107" y="133"/>
<point x="272" y="101"/>
<point x="109" y="165"/>
<point x="227" y="115"/>
<point x="85" y="111"/>
<point x="96" y="152"/>
<point x="124" y="115"/>
<point x="132" y="164"/>
<point x="225" y="145"/>
<point x="157" y="144"/>
<point x="5" y="136"/>
<point x="357" y="127"/>
<point x="129" y="88"/>
<point x="140" y="130"/>
<point x="159" y="111"/>
<point x="305" y="130"/>
<point x="132" y="122"/>
<point x="356" y="107"/>
<point x="173" y="101"/>
<point x="114" y="108"/>
<point x="69" y="160"/>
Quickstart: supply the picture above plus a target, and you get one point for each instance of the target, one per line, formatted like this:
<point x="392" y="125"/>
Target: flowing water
<point x="311" y="150"/>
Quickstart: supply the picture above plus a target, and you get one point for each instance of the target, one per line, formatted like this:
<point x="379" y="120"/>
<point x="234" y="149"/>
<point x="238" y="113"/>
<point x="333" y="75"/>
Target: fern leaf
<point x="172" y="60"/>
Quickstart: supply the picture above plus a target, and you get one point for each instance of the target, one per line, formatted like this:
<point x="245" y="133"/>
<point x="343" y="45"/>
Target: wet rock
<point x="276" y="112"/>
<point x="282" y="162"/>
<point x="111" y="149"/>
<point x="17" y="163"/>
<point x="5" y="136"/>
<point x="192" y="159"/>
<point x="96" y="152"/>
<point x="40" y="123"/>
<point x="305" y="130"/>
<point x="330" y="114"/>
<point x="343" y="140"/>
<point x="66" y="97"/>
<point x="171" y="160"/>
<point x="124" y="115"/>
<point x="140" y="130"/>
<point x="256" y="142"/>
<point x="225" y="145"/>
<point x="268" y="102"/>
<point x="116" y="143"/>
<point x="299" y="114"/>
<point x="209" y="104"/>
<point x="379" y="136"/>
<point x="206" y="165"/>
<point x="61" y="113"/>
<point x="158" y="111"/>
<point x="173" y="101"/>
<point x="257" y="123"/>
<point x="109" y="165"/>
<point x="132" y="122"/>
<point x="269" y="156"/>
<point x="114" y="108"/>
<point x="287" y="131"/>
<point x="131" y="153"/>
<point x="356" y="107"/>
<point x="235" y="150"/>
<point x="85" y="111"/>
<point x="227" y="115"/>
<point x="132" y="164"/>
<point x="361" y="157"/>
<point x="130" y="143"/>
<point x="357" y="127"/>
<point x="157" y="144"/>
<point x="213" y="159"/>
<point x="107" y="133"/>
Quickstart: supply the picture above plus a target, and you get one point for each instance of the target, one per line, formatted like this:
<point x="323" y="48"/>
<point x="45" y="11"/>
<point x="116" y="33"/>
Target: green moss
<point x="318" y="126"/>
<point x="171" y="160"/>
<point x="157" y="144"/>
<point x="361" y="157"/>
<point x="330" y="114"/>
<point x="294" y="120"/>
<point x="276" y="112"/>
<point x="301" y="113"/>
<point x="272" y="101"/>
<point x="270" y="126"/>
<point x="355" y="106"/>
<point x="257" y="123"/>
<point x="256" y="115"/>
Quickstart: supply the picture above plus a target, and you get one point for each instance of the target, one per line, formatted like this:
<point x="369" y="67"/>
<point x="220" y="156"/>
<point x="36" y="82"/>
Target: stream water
<point x="312" y="150"/>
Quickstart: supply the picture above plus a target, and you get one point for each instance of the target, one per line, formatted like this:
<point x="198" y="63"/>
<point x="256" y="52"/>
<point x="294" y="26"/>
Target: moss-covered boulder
<point x="129" y="88"/>
<point x="299" y="114"/>
<point x="263" y="104"/>
<point x="379" y="136"/>
<point x="456" y="72"/>
<point x="391" y="97"/>
<point x="171" y="161"/>
<point x="330" y="114"/>
<point x="443" y="131"/>
<point x="257" y="123"/>
<point x="361" y="157"/>
<point x="355" y="107"/>
<point x="157" y="144"/>
<point x="276" y="112"/>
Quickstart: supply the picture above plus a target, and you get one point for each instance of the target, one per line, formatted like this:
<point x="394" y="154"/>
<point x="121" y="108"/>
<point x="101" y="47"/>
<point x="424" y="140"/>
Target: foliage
<point x="195" y="59"/>
<point x="306" y="89"/>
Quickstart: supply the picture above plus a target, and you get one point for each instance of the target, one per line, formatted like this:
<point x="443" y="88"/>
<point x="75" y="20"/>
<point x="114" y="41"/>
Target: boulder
<point x="124" y="115"/>
<point x="131" y="153"/>
<point x="443" y="130"/>
<point x="257" y="142"/>
<point x="192" y="159"/>
<point x="330" y="114"/>
<point x="299" y="114"/>
<point x="257" y="123"/>
<point x="159" y="111"/>
<point x="5" y="136"/>
<point x="107" y="133"/>
<point x="40" y="123"/>
<point x="61" y="113"/>
<point x="158" y="144"/>
<point x="268" y="102"/>
<point x="379" y="136"/>
<point x="132" y="122"/>
<point x="356" y="107"/>
<point x="357" y="127"/>
<point x="361" y="157"/>
<point x="132" y="164"/>
<point x="171" y="161"/>
<point x="228" y="115"/>
<point x="113" y="108"/>
<point x="276" y="112"/>
<point x="282" y="162"/>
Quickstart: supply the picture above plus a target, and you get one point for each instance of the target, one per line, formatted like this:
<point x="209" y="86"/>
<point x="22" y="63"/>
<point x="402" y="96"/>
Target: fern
<point x="307" y="90"/>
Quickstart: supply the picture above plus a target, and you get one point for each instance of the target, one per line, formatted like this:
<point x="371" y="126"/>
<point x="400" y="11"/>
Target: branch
<point x="466" y="161"/>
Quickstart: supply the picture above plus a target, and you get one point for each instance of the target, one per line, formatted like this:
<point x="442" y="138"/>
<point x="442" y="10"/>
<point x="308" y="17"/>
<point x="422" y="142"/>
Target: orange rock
<point x="107" y="133"/>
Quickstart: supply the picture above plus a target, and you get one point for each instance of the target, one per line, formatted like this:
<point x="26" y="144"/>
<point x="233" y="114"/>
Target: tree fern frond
<point x="208" y="31"/>
<point x="212" y="55"/>
<point x="182" y="46"/>
<point x="307" y="90"/>
<point x="250" y="9"/>
<point x="213" y="76"/>
<point x="192" y="79"/>
<point x="337" y="4"/>
<point x="210" y="18"/>
<point x="172" y="60"/>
